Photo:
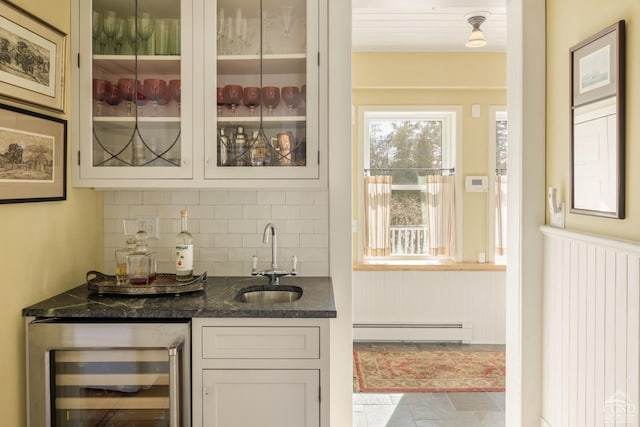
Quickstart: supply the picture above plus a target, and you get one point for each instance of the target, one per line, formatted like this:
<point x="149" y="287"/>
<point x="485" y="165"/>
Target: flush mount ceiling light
<point x="476" y="39"/>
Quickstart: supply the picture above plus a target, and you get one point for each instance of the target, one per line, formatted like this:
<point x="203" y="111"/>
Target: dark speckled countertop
<point x="218" y="299"/>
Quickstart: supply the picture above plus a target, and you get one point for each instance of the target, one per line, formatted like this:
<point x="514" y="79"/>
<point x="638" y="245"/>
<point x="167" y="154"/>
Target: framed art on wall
<point x="32" y="57"/>
<point x="598" y="124"/>
<point x="33" y="153"/>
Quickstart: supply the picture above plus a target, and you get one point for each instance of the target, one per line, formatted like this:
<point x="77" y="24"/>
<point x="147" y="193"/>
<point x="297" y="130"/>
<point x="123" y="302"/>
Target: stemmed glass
<point x="132" y="33"/>
<point x="220" y="31"/>
<point x="156" y="90"/>
<point x="232" y="97"/>
<point x="288" y="19"/>
<point x="96" y="31"/>
<point x="110" y="27"/>
<point x="127" y="88"/>
<point x="174" y="91"/>
<point x="100" y="87"/>
<point x="220" y="100"/>
<point x="270" y="98"/>
<point x="291" y="97"/>
<point x="118" y="39"/>
<point x="251" y="97"/>
<point x="146" y="25"/>
<point x="113" y="97"/>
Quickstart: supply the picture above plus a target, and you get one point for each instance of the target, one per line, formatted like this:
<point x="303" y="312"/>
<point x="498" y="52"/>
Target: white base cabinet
<point x="260" y="372"/>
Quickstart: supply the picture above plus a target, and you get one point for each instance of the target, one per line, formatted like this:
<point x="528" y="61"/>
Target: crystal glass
<point x="119" y="38"/>
<point x="113" y="97"/>
<point x="270" y="98"/>
<point x="110" y="28"/>
<point x="100" y="88"/>
<point x="288" y="19"/>
<point x="220" y="99"/>
<point x="96" y="31"/>
<point x="232" y="97"/>
<point x="251" y="97"/>
<point x="127" y="88"/>
<point x="291" y="97"/>
<point x="146" y="26"/>
<point x="131" y="33"/>
<point x="175" y="91"/>
<point x="156" y="90"/>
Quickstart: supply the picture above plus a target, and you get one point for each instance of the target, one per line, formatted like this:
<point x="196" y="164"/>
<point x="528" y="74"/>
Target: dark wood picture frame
<point x="33" y="156"/>
<point x="598" y="124"/>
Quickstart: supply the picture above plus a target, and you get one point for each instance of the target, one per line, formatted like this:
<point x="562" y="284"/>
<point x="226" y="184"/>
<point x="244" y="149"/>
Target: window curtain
<point x="377" y="213"/>
<point x="441" y="215"/>
<point x="501" y="215"/>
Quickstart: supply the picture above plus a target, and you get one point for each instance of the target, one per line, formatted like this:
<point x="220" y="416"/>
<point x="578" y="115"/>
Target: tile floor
<point x="446" y="409"/>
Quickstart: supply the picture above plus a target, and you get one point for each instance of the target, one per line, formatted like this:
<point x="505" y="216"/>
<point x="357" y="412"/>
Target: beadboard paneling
<point x="591" y="340"/>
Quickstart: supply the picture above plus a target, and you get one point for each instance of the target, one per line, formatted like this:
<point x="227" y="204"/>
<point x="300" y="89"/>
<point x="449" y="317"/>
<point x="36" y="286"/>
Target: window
<point x="499" y="142"/>
<point x="409" y="183"/>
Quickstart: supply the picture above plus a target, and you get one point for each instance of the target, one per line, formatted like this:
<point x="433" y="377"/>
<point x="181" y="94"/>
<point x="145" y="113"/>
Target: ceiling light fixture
<point x="476" y="39"/>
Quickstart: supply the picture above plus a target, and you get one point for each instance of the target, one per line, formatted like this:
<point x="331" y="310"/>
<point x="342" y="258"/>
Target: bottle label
<point x="184" y="257"/>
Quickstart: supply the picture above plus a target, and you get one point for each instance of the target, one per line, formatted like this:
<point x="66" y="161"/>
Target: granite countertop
<point x="218" y="299"/>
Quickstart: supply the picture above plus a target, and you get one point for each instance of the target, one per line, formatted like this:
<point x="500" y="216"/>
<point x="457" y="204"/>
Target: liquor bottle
<point x="184" y="251"/>
<point x="141" y="264"/>
<point x="258" y="150"/>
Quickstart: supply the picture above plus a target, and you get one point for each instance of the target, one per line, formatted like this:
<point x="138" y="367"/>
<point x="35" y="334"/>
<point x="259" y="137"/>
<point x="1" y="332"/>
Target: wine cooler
<point x="94" y="374"/>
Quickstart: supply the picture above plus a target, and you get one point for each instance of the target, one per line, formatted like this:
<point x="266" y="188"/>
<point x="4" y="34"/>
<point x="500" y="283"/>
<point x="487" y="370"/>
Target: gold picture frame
<point x="33" y="156"/>
<point x="32" y="58"/>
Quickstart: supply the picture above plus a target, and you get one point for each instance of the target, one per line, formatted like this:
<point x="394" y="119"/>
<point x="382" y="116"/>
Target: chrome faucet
<point x="274" y="275"/>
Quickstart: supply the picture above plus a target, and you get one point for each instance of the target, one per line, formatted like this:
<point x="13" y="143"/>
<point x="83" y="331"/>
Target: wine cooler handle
<point x="174" y="387"/>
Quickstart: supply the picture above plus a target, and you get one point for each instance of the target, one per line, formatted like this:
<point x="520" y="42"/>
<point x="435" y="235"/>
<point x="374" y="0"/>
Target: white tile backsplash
<point x="227" y="227"/>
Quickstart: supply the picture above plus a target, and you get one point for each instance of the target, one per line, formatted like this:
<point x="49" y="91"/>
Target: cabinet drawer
<point x="260" y="342"/>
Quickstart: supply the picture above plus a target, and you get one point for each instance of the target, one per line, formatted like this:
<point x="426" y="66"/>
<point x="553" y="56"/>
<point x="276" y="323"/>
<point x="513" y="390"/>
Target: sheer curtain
<point x="501" y="215"/>
<point x="377" y="211"/>
<point x="441" y="215"/>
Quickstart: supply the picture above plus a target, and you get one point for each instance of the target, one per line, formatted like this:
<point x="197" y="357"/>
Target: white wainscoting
<point x="406" y="299"/>
<point x="591" y="351"/>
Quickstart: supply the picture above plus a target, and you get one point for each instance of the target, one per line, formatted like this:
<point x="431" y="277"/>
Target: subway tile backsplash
<point x="227" y="227"/>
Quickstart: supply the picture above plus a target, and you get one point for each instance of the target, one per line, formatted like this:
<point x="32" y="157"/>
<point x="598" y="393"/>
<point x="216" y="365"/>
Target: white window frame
<point x="496" y="112"/>
<point x="452" y="113"/>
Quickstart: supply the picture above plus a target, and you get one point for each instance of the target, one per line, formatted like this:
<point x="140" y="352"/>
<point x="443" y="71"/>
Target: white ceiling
<point x="425" y="25"/>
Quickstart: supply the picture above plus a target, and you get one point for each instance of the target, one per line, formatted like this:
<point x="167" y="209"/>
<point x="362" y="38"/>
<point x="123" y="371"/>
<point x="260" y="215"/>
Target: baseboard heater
<point x="451" y="331"/>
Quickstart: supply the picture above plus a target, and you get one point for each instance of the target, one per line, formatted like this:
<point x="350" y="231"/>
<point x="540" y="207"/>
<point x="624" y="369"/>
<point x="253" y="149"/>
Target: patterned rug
<point x="406" y="371"/>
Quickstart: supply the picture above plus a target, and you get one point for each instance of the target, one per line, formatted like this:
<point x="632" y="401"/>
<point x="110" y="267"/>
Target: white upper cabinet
<point x="199" y="93"/>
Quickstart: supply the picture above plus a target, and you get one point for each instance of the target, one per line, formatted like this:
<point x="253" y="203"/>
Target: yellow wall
<point x="438" y="79"/>
<point x="46" y="248"/>
<point x="563" y="32"/>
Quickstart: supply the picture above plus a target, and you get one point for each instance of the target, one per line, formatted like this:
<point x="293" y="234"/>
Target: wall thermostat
<point x="476" y="184"/>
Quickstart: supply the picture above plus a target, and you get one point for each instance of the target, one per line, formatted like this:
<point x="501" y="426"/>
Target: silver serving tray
<point x="164" y="284"/>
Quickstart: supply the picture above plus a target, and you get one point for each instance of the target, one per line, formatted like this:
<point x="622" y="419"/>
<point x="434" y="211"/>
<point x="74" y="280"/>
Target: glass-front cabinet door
<point x="262" y="70"/>
<point x="135" y="102"/>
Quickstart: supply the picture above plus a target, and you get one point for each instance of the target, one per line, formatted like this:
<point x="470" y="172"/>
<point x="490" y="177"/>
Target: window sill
<point x="430" y="266"/>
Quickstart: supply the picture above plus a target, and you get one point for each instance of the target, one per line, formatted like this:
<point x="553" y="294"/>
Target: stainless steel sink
<point x="269" y="294"/>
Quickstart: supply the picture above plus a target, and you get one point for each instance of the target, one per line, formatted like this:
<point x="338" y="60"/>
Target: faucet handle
<point x="294" y="261"/>
<point x="254" y="268"/>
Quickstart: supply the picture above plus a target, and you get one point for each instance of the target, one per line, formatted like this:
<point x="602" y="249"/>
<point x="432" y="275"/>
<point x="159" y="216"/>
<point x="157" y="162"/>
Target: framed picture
<point x="598" y="124"/>
<point x="32" y="57"/>
<point x="33" y="156"/>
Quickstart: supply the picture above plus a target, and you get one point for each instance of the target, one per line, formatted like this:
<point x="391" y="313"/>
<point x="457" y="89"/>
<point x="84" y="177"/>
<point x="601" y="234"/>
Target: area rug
<point x="406" y="371"/>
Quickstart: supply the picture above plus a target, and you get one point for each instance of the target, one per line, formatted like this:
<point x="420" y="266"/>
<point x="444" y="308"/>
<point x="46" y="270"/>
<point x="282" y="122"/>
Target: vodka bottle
<point x="184" y="251"/>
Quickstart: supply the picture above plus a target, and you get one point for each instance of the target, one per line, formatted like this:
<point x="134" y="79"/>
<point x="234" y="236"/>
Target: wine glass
<point x="146" y="25"/>
<point x="141" y="98"/>
<point x="251" y="97"/>
<point x="220" y="100"/>
<point x="113" y="97"/>
<point x="127" y="88"/>
<point x="100" y="87"/>
<point x="174" y="91"/>
<point x="118" y="39"/>
<point x="220" y="31"/>
<point x="270" y="98"/>
<point x="288" y="19"/>
<point x="291" y="97"/>
<point x="96" y="30"/>
<point x="232" y="97"/>
<point x="132" y="33"/>
<point x="156" y="90"/>
<point x="110" y="28"/>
